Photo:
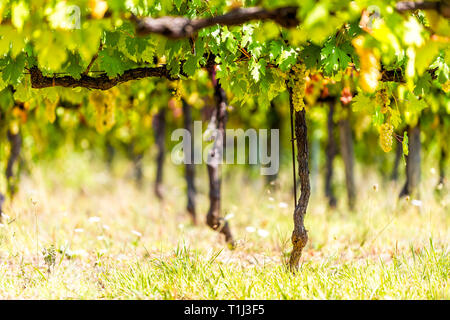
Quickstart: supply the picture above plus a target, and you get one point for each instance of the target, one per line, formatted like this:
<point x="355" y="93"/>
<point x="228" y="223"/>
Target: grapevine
<point x="298" y="85"/>
<point x="386" y="136"/>
<point x="50" y="107"/>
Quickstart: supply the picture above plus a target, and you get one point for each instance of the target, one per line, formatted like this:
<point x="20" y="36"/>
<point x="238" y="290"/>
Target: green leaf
<point x="334" y="58"/>
<point x="111" y="63"/>
<point x="275" y="50"/>
<point x="405" y="143"/>
<point x="311" y="56"/>
<point x="287" y="59"/>
<point x="377" y="117"/>
<point x="73" y="66"/>
<point x="362" y="102"/>
<point x="423" y="84"/>
<point x="190" y="65"/>
<point x="13" y="71"/>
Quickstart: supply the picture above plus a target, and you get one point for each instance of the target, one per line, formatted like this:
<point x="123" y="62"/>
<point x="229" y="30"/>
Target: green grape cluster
<point x="382" y="99"/>
<point x="50" y="108"/>
<point x="386" y="134"/>
<point x="105" y="105"/>
<point x="177" y="91"/>
<point x="298" y="84"/>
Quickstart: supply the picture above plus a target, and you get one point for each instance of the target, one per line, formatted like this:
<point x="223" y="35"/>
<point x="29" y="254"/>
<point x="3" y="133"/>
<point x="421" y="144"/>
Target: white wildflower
<point x="136" y="233"/>
<point x="229" y="216"/>
<point x="250" y="229"/>
<point x="283" y="205"/>
<point x="417" y="203"/>
<point x="263" y="233"/>
<point x="94" y="219"/>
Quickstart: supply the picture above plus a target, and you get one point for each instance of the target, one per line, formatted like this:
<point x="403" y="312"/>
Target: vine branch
<point x="101" y="82"/>
<point x="181" y="27"/>
<point x="442" y="7"/>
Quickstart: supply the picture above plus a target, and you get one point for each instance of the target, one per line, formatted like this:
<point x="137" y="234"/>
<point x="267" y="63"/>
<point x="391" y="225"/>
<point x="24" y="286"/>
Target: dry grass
<point x="114" y="240"/>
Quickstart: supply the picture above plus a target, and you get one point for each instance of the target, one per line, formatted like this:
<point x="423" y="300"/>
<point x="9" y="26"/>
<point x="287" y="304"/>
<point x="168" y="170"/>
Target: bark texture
<point x="181" y="27"/>
<point x="274" y="122"/>
<point x="330" y="153"/>
<point x="300" y="235"/>
<point x="15" y="141"/>
<point x="218" y="121"/>
<point x="398" y="156"/>
<point x="442" y="7"/>
<point x="412" y="162"/>
<point x="190" y="167"/>
<point x="2" y="200"/>
<point x="442" y="159"/>
<point x="159" y="126"/>
<point x="101" y="82"/>
<point x="346" y="144"/>
<point x="138" y="170"/>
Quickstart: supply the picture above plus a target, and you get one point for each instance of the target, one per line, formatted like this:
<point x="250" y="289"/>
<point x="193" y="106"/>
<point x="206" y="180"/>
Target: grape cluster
<point x="298" y="84"/>
<point x="369" y="66"/>
<point x="105" y="105"/>
<point x="50" y="108"/>
<point x="382" y="99"/>
<point x="177" y="91"/>
<point x="386" y="133"/>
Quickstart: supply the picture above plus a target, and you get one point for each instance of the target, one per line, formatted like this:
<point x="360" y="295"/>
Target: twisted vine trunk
<point x="346" y="143"/>
<point x="299" y="236"/>
<point x="138" y="171"/>
<point x="110" y="153"/>
<point x="2" y="200"/>
<point x="398" y="155"/>
<point x="218" y="122"/>
<point x="15" y="141"/>
<point x="159" y="125"/>
<point x="330" y="152"/>
<point x="190" y="167"/>
<point x="412" y="162"/>
<point x="442" y="158"/>
<point x="274" y="122"/>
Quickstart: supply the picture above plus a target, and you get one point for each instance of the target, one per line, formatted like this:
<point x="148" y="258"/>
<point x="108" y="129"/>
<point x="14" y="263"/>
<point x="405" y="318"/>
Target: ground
<point x="114" y="240"/>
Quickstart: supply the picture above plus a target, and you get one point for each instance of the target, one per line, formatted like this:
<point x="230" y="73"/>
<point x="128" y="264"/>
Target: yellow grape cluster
<point x="386" y="136"/>
<point x="369" y="66"/>
<point x="104" y="103"/>
<point x="382" y="99"/>
<point x="298" y="86"/>
<point x="50" y="108"/>
<point x="177" y="91"/>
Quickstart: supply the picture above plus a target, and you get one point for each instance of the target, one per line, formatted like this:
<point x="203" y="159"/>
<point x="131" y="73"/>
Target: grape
<point x="386" y="132"/>
<point x="50" y="110"/>
<point x="104" y="104"/>
<point x="177" y="91"/>
<point x="298" y="84"/>
<point x="382" y="99"/>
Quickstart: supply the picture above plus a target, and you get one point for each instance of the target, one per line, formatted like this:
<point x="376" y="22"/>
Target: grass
<point x="113" y="240"/>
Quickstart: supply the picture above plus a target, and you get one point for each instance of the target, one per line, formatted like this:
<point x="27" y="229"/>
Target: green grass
<point x="115" y="241"/>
